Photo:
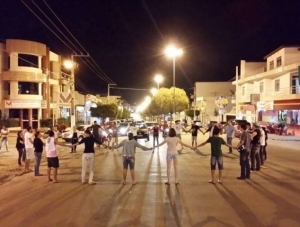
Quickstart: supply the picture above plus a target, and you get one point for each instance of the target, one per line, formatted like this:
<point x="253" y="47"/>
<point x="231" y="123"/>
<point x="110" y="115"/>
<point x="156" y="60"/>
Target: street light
<point x="173" y="52"/>
<point x="158" y="79"/>
<point x="153" y="91"/>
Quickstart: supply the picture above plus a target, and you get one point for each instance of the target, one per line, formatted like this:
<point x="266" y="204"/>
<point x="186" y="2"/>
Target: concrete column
<point x="39" y="117"/>
<point x="55" y="95"/>
<point x="21" y="118"/>
<point x="30" y="117"/>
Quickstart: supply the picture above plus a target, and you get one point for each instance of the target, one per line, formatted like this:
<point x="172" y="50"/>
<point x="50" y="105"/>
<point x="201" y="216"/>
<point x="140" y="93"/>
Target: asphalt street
<point x="270" y="198"/>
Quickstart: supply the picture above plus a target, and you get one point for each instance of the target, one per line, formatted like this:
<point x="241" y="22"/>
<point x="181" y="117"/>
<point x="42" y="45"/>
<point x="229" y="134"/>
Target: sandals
<point x="92" y="183"/>
<point x="211" y="182"/>
<point x="56" y="181"/>
<point x="219" y="181"/>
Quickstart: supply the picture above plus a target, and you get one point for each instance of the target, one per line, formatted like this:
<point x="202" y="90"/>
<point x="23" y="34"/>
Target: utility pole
<point x="195" y="101"/>
<point x="108" y="91"/>
<point x="72" y="87"/>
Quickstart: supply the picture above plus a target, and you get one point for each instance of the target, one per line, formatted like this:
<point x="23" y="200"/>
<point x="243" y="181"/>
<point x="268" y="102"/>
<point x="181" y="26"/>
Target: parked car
<point x="123" y="128"/>
<point x="143" y="132"/>
<point x="67" y="135"/>
<point x="150" y="124"/>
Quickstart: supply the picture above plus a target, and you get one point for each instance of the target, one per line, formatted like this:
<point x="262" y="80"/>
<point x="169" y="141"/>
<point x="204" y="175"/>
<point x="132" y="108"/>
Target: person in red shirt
<point x="155" y="130"/>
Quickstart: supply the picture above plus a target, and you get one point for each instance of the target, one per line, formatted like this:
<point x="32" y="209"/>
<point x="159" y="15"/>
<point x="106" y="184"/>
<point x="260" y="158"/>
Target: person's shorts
<point x="178" y="135"/>
<point x="128" y="161"/>
<point x="216" y="160"/>
<point x="29" y="153"/>
<point x="53" y="162"/>
<point x="171" y="156"/>
<point x="194" y="139"/>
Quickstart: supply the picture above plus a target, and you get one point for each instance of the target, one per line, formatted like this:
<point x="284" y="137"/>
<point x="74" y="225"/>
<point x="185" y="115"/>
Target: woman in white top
<point x="172" y="142"/>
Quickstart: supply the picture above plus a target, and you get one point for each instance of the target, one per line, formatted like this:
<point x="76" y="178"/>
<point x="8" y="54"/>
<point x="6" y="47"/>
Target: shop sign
<point x="20" y="104"/>
<point x="221" y="102"/>
<point x="267" y="105"/>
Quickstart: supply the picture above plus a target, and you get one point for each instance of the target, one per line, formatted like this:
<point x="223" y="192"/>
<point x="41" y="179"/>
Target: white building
<point x="269" y="91"/>
<point x="206" y="94"/>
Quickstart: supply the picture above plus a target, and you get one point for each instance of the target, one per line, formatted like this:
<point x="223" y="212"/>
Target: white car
<point x="68" y="133"/>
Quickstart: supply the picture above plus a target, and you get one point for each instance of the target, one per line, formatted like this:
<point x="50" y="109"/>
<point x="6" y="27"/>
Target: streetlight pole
<point x="174" y="72"/>
<point x="108" y="91"/>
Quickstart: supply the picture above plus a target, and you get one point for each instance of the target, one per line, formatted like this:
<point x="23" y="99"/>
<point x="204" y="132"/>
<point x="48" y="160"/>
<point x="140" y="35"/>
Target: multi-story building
<point x="30" y="82"/>
<point x="269" y="91"/>
<point x="206" y="94"/>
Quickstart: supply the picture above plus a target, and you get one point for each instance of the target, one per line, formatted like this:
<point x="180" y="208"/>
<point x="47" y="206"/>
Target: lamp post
<point x="173" y="52"/>
<point x="108" y="91"/>
<point x="71" y="65"/>
<point x="158" y="79"/>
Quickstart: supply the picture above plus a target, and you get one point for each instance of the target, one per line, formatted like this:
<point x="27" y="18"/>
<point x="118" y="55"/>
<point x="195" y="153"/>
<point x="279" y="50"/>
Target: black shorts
<point x="53" y="162"/>
<point x="128" y="161"/>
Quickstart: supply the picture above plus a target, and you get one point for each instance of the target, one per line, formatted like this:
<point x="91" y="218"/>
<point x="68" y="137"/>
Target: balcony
<point x="287" y="93"/>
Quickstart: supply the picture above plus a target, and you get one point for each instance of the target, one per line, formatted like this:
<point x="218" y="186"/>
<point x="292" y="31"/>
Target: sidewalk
<point x="283" y="137"/>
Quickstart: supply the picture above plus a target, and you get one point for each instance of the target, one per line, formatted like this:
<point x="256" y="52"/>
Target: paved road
<point x="270" y="198"/>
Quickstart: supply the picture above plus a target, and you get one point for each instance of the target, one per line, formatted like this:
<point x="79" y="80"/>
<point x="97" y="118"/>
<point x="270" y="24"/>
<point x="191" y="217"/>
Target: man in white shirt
<point x="134" y="129"/>
<point x="29" y="148"/>
<point x="4" y="134"/>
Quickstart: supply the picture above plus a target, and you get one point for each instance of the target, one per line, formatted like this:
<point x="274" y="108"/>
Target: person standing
<point x="88" y="156"/>
<point x="266" y="144"/>
<point x="255" y="147"/>
<point x="96" y="130"/>
<point x="20" y="147"/>
<point x="38" y="151"/>
<point x="155" y="130"/>
<point x="210" y="129"/>
<point x="216" y="153"/>
<point x="128" y="152"/>
<point x="74" y="139"/>
<point x="134" y="129"/>
<point x="262" y="142"/>
<point x="244" y="148"/>
<point x="4" y="135"/>
<point x="28" y="142"/>
<point x="172" y="140"/>
<point x="230" y="131"/>
<point x="52" y="157"/>
<point x="178" y="128"/>
<point x="114" y="134"/>
<point x="194" y="129"/>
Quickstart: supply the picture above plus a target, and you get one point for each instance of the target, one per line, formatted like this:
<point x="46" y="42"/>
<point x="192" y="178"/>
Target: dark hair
<point x="28" y="128"/>
<point x="216" y="131"/>
<point x="51" y="133"/>
<point x="95" y="122"/>
<point x="37" y="133"/>
<point x="244" y="126"/>
<point x="87" y="131"/>
<point x="19" y="133"/>
<point x="130" y="136"/>
<point x="248" y="124"/>
<point x="172" y="132"/>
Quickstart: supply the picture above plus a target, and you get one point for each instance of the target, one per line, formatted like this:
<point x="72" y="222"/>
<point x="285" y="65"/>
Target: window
<point x="243" y="90"/>
<point x="271" y="65"/>
<point x="28" y="88"/>
<point x="277" y="85"/>
<point x="27" y="60"/>
<point x="278" y="62"/>
<point x="261" y="87"/>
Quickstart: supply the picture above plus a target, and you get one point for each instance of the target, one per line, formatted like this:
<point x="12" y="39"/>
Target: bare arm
<point x="183" y="144"/>
<point x="202" y="144"/>
<point x="162" y="143"/>
<point x="118" y="146"/>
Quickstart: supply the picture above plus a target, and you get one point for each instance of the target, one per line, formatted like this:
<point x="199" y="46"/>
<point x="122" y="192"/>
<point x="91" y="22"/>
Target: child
<point x="216" y="153"/>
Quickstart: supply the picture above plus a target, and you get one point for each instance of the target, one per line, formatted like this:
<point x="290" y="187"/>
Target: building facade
<point x="206" y="95"/>
<point x="269" y="91"/>
<point x="30" y="82"/>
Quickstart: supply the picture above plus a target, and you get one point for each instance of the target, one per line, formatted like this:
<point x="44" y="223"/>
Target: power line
<point x="104" y="78"/>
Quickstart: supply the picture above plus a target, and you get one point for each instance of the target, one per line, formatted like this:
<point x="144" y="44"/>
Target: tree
<point x="105" y="110"/>
<point x="190" y="113"/>
<point x="168" y="99"/>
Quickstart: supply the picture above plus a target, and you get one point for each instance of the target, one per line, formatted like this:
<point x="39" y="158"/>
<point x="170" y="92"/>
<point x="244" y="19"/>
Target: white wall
<point x="14" y="65"/>
<point x="291" y="55"/>
<point x="251" y="68"/>
<point x="274" y="56"/>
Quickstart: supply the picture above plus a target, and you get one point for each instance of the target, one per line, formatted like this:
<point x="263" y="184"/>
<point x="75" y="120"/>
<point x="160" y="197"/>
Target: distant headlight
<point x="167" y="130"/>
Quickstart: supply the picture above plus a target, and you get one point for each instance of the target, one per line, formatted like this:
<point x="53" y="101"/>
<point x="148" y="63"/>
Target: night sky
<point x="127" y="38"/>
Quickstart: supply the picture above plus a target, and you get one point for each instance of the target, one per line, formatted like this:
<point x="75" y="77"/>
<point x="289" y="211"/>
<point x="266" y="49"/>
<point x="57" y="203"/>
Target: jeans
<point x="254" y="156"/>
<point x="87" y="160"/>
<point x="38" y="157"/>
<point x="262" y="154"/>
<point x="244" y="163"/>
<point x="155" y="138"/>
<point x="21" y="153"/>
<point x="229" y="141"/>
<point x="4" y="140"/>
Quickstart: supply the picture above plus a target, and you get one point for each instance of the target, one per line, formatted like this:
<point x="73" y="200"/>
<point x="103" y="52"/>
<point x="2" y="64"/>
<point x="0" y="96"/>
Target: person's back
<point x="27" y="137"/>
<point x="51" y="147"/>
<point x="246" y="137"/>
<point x="172" y="143"/>
<point x="216" y="144"/>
